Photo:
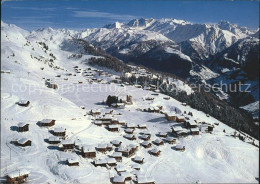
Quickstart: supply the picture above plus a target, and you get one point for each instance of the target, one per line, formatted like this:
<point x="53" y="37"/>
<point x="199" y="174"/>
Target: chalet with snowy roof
<point x="113" y="128"/>
<point x="146" y="144"/>
<point x="155" y="152"/>
<point x="17" y="177"/>
<point x="116" y="143"/>
<point x="170" y="140"/>
<point x="23" y="127"/>
<point x="139" y="159"/>
<point x="111" y="161"/>
<point x="95" y="112"/>
<point x="101" y="148"/>
<point x="190" y="124"/>
<point x="121" y="122"/>
<point x="23" y="142"/>
<point x="127" y="175"/>
<point x="131" y="125"/>
<point x="67" y="144"/>
<point x="195" y="131"/>
<point x="120" y="168"/>
<point x="141" y="126"/>
<point x="88" y="152"/>
<point x="180" y="147"/>
<point x="54" y="140"/>
<point x="180" y="119"/>
<point x="98" y="123"/>
<point x="24" y="103"/>
<point x="145" y="137"/>
<point x="47" y="122"/>
<point x="118" y="105"/>
<point x="114" y="121"/>
<point x="163" y="134"/>
<point x="118" y="180"/>
<point x="158" y="142"/>
<point x="129" y="131"/>
<point x="100" y="162"/>
<point x="176" y="129"/>
<point x="171" y="116"/>
<point x="130" y="137"/>
<point x="145" y="180"/>
<point x="60" y="131"/>
<point x="127" y="151"/>
<point x="117" y="156"/>
<point x="73" y="162"/>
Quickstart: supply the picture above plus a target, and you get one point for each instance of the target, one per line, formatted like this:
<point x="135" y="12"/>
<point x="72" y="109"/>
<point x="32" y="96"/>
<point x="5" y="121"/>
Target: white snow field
<point x="209" y="158"/>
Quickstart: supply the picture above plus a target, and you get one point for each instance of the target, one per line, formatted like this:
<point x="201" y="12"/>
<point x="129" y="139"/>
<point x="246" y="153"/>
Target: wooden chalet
<point x="180" y="147"/>
<point x="17" y="177"/>
<point x="155" y="152"/>
<point x="100" y="162"/>
<point x="67" y="144"/>
<point x="163" y="134"/>
<point x="59" y="131"/>
<point x="113" y="128"/>
<point x="130" y="137"/>
<point x="121" y="122"/>
<point x="145" y="137"/>
<point x="139" y="159"/>
<point x="180" y="119"/>
<point x="129" y="131"/>
<point x="131" y="125"/>
<point x="141" y="126"/>
<point x="170" y="140"/>
<point x="88" y="152"/>
<point x="24" y="103"/>
<point x="114" y="121"/>
<point x="102" y="148"/>
<point x="158" y="142"/>
<point x="23" y="142"/>
<point x="73" y="162"/>
<point x="117" y="156"/>
<point x="171" y="116"/>
<point x="98" y="123"/>
<point x="23" y="127"/>
<point x="190" y="124"/>
<point x="111" y="161"/>
<point x="95" y="112"/>
<point x="176" y="129"/>
<point x="195" y="131"/>
<point x="120" y="168"/>
<point x="146" y="144"/>
<point x="47" y="122"/>
<point x="54" y="140"/>
<point x="127" y="151"/>
<point x="116" y="143"/>
<point x="118" y="180"/>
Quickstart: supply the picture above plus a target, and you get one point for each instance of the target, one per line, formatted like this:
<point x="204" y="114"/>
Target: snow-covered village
<point x="72" y="112"/>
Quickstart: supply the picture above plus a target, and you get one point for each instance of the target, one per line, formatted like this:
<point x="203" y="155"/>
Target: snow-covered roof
<point x="112" y="126"/>
<point x="147" y="132"/>
<point x="170" y="139"/>
<point x="155" y="150"/>
<point x="18" y="173"/>
<point x="145" y="143"/>
<point x="54" y="138"/>
<point x="180" y="146"/>
<point x="46" y="121"/>
<point x="173" y="113"/>
<point x="177" y="128"/>
<point x="144" y="136"/>
<point x="67" y="141"/>
<point x="195" y="129"/>
<point x="100" y="161"/>
<point x="22" y="124"/>
<point x="102" y="146"/>
<point x="87" y="149"/>
<point x="126" y="174"/>
<point x="23" y="101"/>
<point x="97" y="122"/>
<point x="162" y="133"/>
<point x="72" y="160"/>
<point x="158" y="141"/>
<point x="119" y="179"/>
<point x="142" y="125"/>
<point x="191" y="122"/>
<point x="132" y="145"/>
<point x="129" y="130"/>
<point x="139" y="158"/>
<point x="111" y="160"/>
<point x="59" y="129"/>
<point x="129" y="136"/>
<point x="22" y="140"/>
<point x="116" y="142"/>
<point x="130" y="125"/>
<point x="117" y="154"/>
<point x="120" y="168"/>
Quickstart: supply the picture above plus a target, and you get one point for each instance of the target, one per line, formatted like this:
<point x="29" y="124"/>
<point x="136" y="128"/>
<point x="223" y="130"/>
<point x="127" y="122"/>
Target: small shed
<point x="171" y="140"/>
<point x="146" y="144"/>
<point x="24" y="103"/>
<point x="145" y="137"/>
<point x="180" y="119"/>
<point x="54" y="140"/>
<point x="155" y="152"/>
<point x="171" y="116"/>
<point x="121" y="122"/>
<point x="158" y="142"/>
<point x="139" y="159"/>
<point x="180" y="147"/>
<point x="130" y="137"/>
<point x="101" y="148"/>
<point x="73" y="162"/>
<point x="67" y="144"/>
<point x="129" y="130"/>
<point x="195" y="131"/>
<point x="131" y="125"/>
<point x="88" y="152"/>
<point x="113" y="128"/>
<point x="116" y="143"/>
<point x="98" y="123"/>
<point x="23" y="127"/>
<point x="117" y="156"/>
<point x="18" y="176"/>
<point x="23" y="142"/>
<point x="60" y="131"/>
<point x="47" y="122"/>
<point x="191" y="124"/>
<point x="114" y="121"/>
<point x="141" y="126"/>
<point x="163" y="134"/>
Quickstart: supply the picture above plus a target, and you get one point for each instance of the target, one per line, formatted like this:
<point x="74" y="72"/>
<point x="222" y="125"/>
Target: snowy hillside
<point x="29" y="59"/>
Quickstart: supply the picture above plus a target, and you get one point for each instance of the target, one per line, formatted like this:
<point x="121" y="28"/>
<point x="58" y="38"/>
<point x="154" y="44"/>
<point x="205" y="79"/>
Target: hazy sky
<point x="88" y="14"/>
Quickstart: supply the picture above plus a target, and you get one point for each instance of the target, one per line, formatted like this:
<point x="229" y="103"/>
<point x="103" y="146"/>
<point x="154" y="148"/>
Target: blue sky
<point x="83" y="14"/>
